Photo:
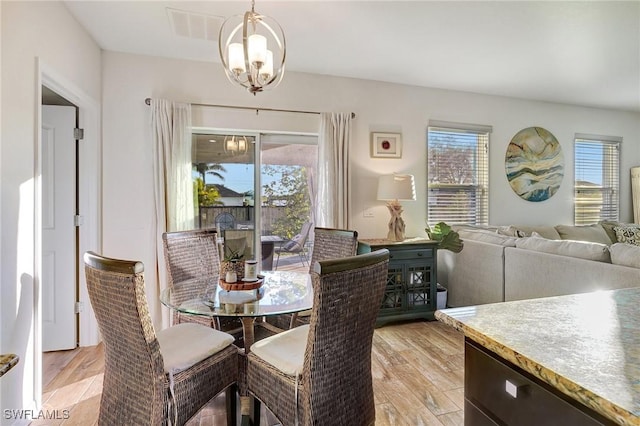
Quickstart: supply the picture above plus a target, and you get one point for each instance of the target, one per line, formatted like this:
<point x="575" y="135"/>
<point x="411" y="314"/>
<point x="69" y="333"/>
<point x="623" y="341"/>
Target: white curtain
<point x="332" y="207"/>
<point x="173" y="185"/>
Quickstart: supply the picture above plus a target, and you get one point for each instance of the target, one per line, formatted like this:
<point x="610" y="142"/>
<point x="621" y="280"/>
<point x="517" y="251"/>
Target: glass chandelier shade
<point x="236" y="145"/>
<point x="252" y="50"/>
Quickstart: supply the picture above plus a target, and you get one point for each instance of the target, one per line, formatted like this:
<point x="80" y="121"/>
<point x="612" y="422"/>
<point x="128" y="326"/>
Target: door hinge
<point x="78" y="220"/>
<point x="78" y="134"/>
<point x="78" y="308"/>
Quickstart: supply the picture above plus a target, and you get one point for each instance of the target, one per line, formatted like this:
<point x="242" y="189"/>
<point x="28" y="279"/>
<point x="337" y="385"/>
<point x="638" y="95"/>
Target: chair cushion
<point x="285" y="351"/>
<point x="186" y="344"/>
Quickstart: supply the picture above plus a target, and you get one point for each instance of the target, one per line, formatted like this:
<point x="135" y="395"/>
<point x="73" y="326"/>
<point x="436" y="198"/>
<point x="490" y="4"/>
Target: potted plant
<point x="447" y="238"/>
<point x="232" y="264"/>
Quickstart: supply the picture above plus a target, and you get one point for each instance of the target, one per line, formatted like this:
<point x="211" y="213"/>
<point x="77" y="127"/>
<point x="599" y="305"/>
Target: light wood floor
<point x="417" y="372"/>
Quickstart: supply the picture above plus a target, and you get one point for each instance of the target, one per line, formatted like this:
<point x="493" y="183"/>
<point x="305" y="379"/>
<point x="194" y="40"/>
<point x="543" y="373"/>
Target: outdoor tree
<point x="207" y="195"/>
<point x="213" y="169"/>
<point x="448" y="164"/>
<point x="290" y="192"/>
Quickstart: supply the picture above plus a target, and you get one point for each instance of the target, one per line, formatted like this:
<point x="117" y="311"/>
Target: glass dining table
<point x="281" y="292"/>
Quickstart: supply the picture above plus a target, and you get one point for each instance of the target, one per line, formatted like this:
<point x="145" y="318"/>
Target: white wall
<point x="30" y="30"/>
<point x="129" y="79"/>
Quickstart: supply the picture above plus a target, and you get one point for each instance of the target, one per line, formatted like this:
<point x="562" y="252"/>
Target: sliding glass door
<point x="227" y="175"/>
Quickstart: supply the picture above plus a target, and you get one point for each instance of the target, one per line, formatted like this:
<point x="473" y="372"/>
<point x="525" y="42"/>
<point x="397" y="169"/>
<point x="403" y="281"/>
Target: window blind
<point x="597" y="179"/>
<point x="458" y="173"/>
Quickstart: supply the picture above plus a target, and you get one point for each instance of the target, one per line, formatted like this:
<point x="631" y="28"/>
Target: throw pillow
<point x="625" y="255"/>
<point x="629" y="234"/>
<point x="548" y="232"/>
<point x="487" y="237"/>
<point x="293" y="244"/>
<point x="592" y="233"/>
<point x="608" y="228"/>
<point x="509" y="231"/>
<point x="581" y="249"/>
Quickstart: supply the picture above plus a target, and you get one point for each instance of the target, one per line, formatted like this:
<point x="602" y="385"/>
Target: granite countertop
<point x="7" y="362"/>
<point x="585" y="345"/>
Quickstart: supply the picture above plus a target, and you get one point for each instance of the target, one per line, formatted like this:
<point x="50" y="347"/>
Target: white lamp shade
<point x="396" y="187"/>
<point x="236" y="57"/>
<point x="257" y="49"/>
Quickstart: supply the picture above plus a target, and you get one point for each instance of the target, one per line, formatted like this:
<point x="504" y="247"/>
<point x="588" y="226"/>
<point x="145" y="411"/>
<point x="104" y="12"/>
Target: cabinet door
<point x="419" y="285"/>
<point x="393" y="300"/>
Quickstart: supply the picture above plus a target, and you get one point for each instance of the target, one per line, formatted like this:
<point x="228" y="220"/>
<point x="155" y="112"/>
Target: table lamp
<point x="393" y="188"/>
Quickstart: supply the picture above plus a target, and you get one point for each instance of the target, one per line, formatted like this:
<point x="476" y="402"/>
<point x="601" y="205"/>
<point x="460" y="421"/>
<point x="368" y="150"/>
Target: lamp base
<point x="396" y="224"/>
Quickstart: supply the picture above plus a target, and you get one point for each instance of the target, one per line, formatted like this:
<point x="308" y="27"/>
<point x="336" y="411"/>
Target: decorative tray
<point x="241" y="285"/>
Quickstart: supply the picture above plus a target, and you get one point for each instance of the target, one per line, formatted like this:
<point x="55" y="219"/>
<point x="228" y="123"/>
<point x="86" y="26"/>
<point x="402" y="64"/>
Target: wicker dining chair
<point x="328" y="243"/>
<point x="193" y="261"/>
<point x="320" y="374"/>
<point x="153" y="378"/>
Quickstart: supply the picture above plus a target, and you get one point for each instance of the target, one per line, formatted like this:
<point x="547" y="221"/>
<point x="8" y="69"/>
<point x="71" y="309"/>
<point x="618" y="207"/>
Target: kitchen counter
<point x="7" y="362"/>
<point x="586" y="346"/>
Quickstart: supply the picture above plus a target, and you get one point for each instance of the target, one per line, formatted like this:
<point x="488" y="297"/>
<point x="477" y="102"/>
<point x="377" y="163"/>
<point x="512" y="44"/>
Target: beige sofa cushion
<point x="592" y="233"/>
<point x="629" y="234"/>
<point x="581" y="249"/>
<point x="625" y="255"/>
<point x="487" y="237"/>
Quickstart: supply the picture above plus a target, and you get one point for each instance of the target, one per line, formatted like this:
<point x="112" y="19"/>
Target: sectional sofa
<point x="519" y="262"/>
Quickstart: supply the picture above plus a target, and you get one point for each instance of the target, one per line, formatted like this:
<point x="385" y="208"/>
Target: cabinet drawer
<point x="487" y="379"/>
<point x="411" y="254"/>
<point x="474" y="417"/>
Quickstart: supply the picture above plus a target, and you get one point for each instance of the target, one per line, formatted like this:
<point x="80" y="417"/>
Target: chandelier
<point x="236" y="145"/>
<point x="252" y="50"/>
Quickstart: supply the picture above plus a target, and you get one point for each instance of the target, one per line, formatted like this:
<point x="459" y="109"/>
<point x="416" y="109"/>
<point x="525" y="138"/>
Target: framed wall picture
<point x="386" y="145"/>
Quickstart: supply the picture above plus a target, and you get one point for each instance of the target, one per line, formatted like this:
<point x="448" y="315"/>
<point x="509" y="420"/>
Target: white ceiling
<point x="584" y="53"/>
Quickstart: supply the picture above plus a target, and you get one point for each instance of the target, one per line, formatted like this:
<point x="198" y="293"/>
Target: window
<point x="597" y="178"/>
<point x="458" y="173"/>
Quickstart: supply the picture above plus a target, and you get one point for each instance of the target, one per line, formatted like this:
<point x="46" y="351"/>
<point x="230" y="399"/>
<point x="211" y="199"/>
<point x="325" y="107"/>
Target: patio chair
<point x="296" y="245"/>
<point x="320" y="373"/>
<point x="151" y="377"/>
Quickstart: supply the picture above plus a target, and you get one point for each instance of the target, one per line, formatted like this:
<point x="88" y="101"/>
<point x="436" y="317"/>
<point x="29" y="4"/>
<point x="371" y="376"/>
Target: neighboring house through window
<point x="597" y="178"/>
<point x="458" y="173"/>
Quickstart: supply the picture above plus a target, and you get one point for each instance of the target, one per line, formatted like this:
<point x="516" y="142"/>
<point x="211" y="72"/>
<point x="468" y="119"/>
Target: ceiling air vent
<point x="194" y="25"/>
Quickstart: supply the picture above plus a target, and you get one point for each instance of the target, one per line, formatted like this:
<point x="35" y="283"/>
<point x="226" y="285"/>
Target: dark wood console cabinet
<point x="411" y="283"/>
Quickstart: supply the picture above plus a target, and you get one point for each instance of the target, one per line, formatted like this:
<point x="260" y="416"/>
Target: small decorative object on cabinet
<point x="411" y="283"/>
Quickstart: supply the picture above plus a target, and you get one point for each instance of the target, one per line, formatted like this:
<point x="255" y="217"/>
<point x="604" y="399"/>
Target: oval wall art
<point x="534" y="164"/>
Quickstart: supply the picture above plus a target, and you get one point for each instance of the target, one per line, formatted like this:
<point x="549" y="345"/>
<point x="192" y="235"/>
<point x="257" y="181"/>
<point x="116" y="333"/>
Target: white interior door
<point x="58" y="229"/>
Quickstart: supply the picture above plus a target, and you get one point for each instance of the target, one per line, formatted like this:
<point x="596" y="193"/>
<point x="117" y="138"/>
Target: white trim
<point x="450" y="125"/>
<point x="598" y="138"/>
<point x="89" y="201"/>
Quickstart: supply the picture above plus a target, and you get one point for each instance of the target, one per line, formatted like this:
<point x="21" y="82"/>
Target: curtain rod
<point x="353" y="114"/>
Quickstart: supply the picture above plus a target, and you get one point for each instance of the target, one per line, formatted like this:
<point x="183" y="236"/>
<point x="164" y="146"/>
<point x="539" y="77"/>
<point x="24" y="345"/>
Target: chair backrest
<point x="132" y="354"/>
<point x="191" y="254"/>
<point x="337" y="363"/>
<point x="329" y="243"/>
